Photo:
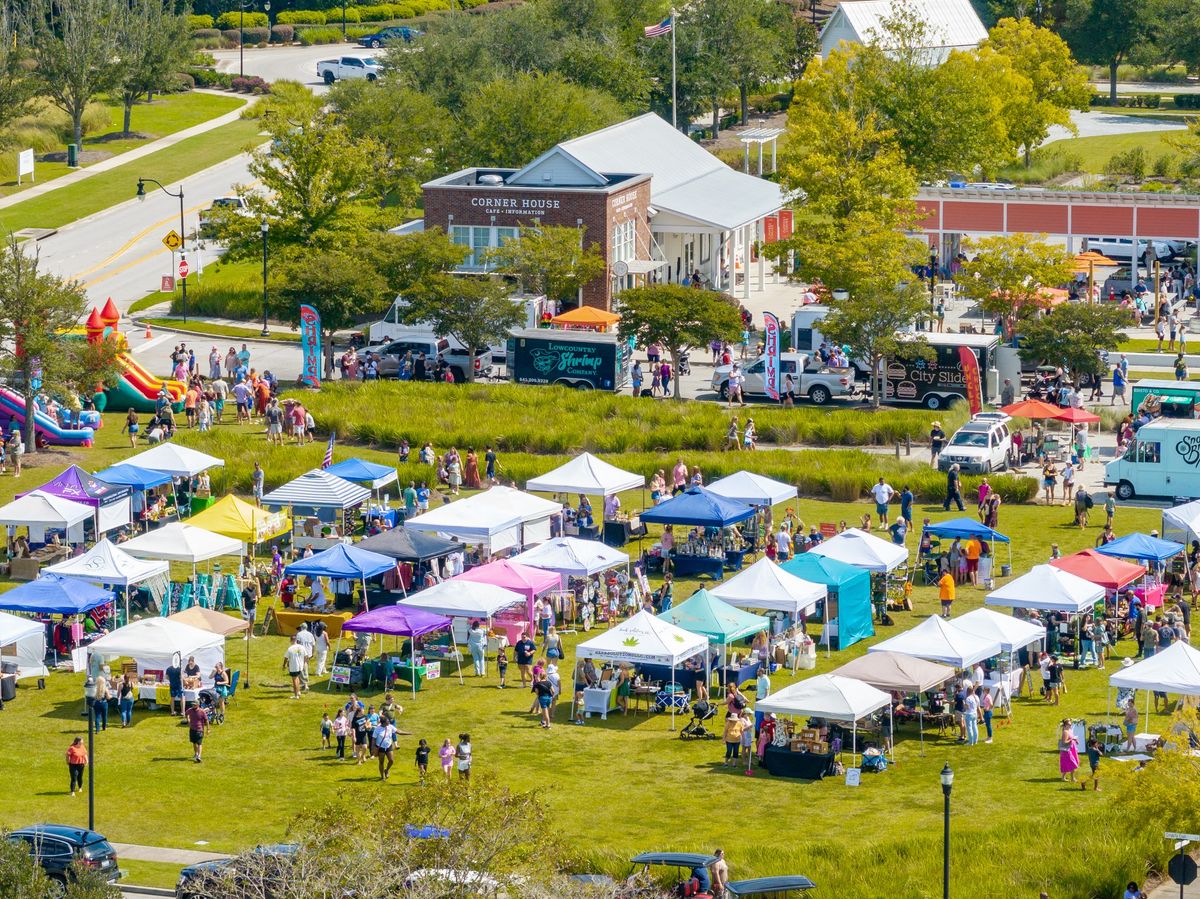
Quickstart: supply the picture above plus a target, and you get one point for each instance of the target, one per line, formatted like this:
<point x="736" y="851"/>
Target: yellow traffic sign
<point x="172" y="241"/>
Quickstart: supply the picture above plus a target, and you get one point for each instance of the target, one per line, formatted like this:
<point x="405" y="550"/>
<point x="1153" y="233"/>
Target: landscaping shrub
<point x="197" y="23"/>
<point x="206" y="34"/>
<point x="1164" y="165"/>
<point x="237" y="19"/>
<point x="300" y="17"/>
<point x="182" y="81"/>
<point x="250" y="85"/>
<point x="256" y="35"/>
<point x="203" y="77"/>
<point x="310" y="36"/>
<point x="1131" y="162"/>
<point x="232" y="35"/>
<point x="282" y="34"/>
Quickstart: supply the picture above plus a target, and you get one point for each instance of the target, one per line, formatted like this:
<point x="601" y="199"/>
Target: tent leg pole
<point x="413" y="654"/>
<point x="671" y="687"/>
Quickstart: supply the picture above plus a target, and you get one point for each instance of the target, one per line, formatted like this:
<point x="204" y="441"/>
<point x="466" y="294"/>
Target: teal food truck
<point x="584" y="360"/>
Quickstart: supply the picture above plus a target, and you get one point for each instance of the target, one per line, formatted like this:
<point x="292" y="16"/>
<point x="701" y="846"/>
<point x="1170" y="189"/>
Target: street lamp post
<point x="343" y="19"/>
<point x="947" y="778"/>
<point x="265" y="227"/>
<point x="141" y="195"/>
<point x="89" y="693"/>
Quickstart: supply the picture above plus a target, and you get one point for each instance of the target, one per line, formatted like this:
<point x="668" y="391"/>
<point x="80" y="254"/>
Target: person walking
<point x="543" y="689"/>
<point x="341" y="730"/>
<point x="384" y="738"/>
<point x="953" y="489"/>
<point x="1068" y="750"/>
<point x="422" y="757"/>
<point x="733" y="735"/>
<point x="77" y="760"/>
<point x="131" y="427"/>
<point x="125" y="697"/>
<point x="937" y="440"/>
<point x="987" y="706"/>
<point x="295" y="658"/>
<point x="477" y="643"/>
<point x="446" y="757"/>
<point x="946" y="589"/>
<point x="971" y="717"/>
<point x="198" y="727"/>
<point x="463" y="753"/>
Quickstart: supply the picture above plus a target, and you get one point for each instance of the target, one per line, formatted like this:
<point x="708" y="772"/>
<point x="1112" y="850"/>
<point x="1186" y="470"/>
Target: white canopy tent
<point x="1182" y="523"/>
<point x="862" y="550"/>
<point x="44" y="511"/>
<point x="1049" y="589"/>
<point x="939" y="640"/>
<point x="766" y="586"/>
<point x="499" y="519"/>
<point x="464" y="599"/>
<point x="106" y="563"/>
<point x="317" y="489"/>
<point x="643" y="639"/>
<point x="173" y="459"/>
<point x="177" y="542"/>
<point x="828" y="696"/>
<point x="153" y="642"/>
<point x="573" y="557"/>
<point x="23" y="640"/>
<point x="586" y="474"/>
<point x="1174" y="670"/>
<point x="753" y="489"/>
<point x="1011" y="633"/>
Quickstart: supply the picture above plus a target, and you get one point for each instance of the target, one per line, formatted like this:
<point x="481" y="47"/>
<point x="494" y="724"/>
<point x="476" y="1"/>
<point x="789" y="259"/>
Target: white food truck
<point x="1163" y="460"/>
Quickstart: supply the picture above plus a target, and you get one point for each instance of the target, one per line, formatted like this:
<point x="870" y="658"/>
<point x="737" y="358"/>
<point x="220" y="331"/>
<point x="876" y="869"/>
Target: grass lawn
<point x="165" y="115"/>
<point x="60" y="207"/>
<point x="203" y="327"/>
<point x="150" y="874"/>
<point x="1095" y="152"/>
<point x="1017" y="828"/>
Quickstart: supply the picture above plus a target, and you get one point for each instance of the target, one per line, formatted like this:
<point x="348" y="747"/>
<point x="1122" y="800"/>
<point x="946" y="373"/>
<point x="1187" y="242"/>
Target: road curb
<point x="130" y="889"/>
<point x="141" y="323"/>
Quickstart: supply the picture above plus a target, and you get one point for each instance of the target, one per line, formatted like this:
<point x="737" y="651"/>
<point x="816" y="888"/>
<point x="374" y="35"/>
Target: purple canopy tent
<point x="399" y="621"/>
<point x="111" y="501"/>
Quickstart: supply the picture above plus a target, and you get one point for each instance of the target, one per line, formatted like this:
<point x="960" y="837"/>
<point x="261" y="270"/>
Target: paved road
<point x="1104" y="124"/>
<point x="291" y="63"/>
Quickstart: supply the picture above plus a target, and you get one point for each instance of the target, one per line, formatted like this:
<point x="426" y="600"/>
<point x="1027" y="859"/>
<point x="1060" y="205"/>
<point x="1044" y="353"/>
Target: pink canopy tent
<point x="524" y="579"/>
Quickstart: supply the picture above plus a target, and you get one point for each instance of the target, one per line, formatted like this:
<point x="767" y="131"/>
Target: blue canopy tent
<point x="849" y="600"/>
<point x="966" y="528"/>
<point x="360" y="471"/>
<point x="343" y="563"/>
<point x="52" y="594"/>
<point x="134" y="476"/>
<point x="1142" y="547"/>
<point x="700" y="508"/>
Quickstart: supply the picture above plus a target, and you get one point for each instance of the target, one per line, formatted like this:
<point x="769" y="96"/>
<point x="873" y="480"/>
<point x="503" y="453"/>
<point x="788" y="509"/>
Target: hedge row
<point x="310" y="36"/>
<point x="1137" y="101"/>
<point x="195" y="23"/>
<point x="1187" y="101"/>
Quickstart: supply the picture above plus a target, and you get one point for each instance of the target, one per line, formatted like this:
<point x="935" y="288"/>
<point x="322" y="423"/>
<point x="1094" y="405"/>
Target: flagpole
<point x="674" y="101"/>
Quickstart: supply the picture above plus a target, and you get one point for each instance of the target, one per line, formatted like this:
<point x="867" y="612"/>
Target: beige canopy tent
<point x="899" y="672"/>
<point x="211" y="621"/>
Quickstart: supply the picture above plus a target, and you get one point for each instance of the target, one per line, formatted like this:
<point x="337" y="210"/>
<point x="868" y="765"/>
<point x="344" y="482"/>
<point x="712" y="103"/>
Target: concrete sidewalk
<point x="128" y="156"/>
<point x="181" y="857"/>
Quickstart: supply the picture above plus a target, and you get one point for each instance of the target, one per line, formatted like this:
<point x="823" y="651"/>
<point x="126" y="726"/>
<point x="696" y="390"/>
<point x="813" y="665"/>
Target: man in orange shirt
<point x="946" y="592"/>
<point x="973" y="550"/>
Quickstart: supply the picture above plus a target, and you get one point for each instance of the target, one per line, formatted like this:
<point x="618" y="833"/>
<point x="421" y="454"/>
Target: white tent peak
<point x="178" y="542"/>
<point x="1047" y="588"/>
<point x="106" y="563"/>
<point x="765" y="585"/>
<point x="573" y="556"/>
<point x="643" y="638"/>
<point x="36" y="508"/>
<point x="748" y="487"/>
<point x="173" y="459"/>
<point x="863" y="550"/>
<point x="1012" y="633"/>
<point x="586" y="474"/>
<point x="1174" y="670"/>
<point x="464" y="599"/>
<point x="826" y="696"/>
<point x="940" y="640"/>
<point x="318" y="488"/>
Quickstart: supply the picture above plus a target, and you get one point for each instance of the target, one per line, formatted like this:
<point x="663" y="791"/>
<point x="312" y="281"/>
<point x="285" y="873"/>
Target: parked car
<point x="391" y="34"/>
<point x="56" y="847"/>
<point x="222" y="206"/>
<point x="814" y="380"/>
<point x="273" y="858"/>
<point x="457" y="358"/>
<point x="348" y="67"/>
<point x="1120" y="247"/>
<point x="980" y="446"/>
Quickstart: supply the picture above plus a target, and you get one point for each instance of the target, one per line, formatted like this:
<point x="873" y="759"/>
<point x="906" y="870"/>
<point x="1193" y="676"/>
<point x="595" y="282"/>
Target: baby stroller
<point x="208" y="700"/>
<point x="701" y="711"/>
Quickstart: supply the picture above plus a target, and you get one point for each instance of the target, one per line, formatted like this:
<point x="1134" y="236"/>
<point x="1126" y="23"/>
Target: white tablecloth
<point x="598" y="701"/>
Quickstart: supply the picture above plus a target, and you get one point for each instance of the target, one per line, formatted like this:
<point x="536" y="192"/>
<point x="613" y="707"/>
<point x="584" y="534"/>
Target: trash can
<point x="8" y="683"/>
<point x="1005" y="571"/>
<point x="73" y="156"/>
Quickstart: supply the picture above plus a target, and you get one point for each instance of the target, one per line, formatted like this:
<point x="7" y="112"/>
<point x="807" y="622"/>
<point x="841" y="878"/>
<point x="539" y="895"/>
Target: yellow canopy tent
<point x="212" y="621"/>
<point x="238" y="519"/>
<point x="586" y="317"/>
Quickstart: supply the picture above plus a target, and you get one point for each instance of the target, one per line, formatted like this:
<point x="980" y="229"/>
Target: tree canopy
<point x="551" y="260"/>
<point x="1009" y="274"/>
<point x="1071" y="335"/>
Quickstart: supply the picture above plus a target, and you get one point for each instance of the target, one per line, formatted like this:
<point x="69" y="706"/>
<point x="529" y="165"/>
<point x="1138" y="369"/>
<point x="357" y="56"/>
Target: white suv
<point x="980" y="446"/>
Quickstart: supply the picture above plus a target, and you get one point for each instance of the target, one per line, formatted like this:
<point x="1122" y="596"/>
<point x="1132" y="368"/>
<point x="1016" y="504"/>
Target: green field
<point x="203" y="327"/>
<point x="60" y="207"/>
<point x="163" y="116"/>
<point x="629" y="783"/>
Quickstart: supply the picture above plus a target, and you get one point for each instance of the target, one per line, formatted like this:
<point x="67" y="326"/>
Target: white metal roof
<point x="952" y="24"/>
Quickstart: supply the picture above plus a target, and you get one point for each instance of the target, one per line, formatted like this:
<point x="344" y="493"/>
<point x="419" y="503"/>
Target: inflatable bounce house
<point x="136" y="388"/>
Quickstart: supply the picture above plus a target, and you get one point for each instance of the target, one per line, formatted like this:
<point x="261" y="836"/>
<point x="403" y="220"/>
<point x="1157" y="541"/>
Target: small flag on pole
<point x="328" y="460"/>
<point x="666" y="26"/>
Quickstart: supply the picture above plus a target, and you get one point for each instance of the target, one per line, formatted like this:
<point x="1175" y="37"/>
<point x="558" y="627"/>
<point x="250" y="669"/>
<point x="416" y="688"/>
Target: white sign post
<point x="25" y="165"/>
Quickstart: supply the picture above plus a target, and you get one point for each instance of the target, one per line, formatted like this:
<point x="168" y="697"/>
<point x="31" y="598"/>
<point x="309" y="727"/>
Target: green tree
<point x="1070" y="335"/>
<point x="1109" y="32"/>
<point x="550" y="260"/>
<point x="333" y="282"/>
<point x="1009" y="274"/>
<point x="421" y="261"/>
<point x="1053" y="83"/>
<point x="677" y="318"/>
<point x="477" y="312"/>
<point x="871" y="321"/>
<point x="607" y="65"/>
<point x="154" y="46"/>
<point x="17" y="87"/>
<point x="77" y="49"/>
<point x="20" y="878"/>
<point x="512" y="120"/>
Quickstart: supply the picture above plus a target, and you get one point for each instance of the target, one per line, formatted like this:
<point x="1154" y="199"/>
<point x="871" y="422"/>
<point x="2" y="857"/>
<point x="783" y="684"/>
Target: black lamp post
<point x="89" y="693"/>
<point x="343" y="19"/>
<point x="265" y="227"/>
<point x="932" y="288"/>
<point x="141" y="195"/>
<point x="242" y="4"/>
<point x="947" y="778"/>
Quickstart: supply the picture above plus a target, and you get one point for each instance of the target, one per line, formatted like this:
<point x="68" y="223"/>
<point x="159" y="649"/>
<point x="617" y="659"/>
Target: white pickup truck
<point x="331" y="70"/>
<point x="814" y="380"/>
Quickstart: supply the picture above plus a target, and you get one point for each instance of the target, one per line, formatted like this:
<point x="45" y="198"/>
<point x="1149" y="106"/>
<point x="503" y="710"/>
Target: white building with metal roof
<point x="951" y="24"/>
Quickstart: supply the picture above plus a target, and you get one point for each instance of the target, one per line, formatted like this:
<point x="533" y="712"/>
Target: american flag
<point x="328" y="460"/>
<point x="663" y="27"/>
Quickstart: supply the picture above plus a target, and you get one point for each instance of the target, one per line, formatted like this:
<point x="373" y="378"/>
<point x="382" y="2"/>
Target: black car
<point x="274" y="857"/>
<point x="57" y="846"/>
<point x="392" y="34"/>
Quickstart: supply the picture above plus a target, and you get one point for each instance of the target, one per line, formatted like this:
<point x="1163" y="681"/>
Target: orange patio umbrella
<point x="1031" y="409"/>
<point x="586" y="317"/>
<point x="1077" y="416"/>
<point x="1087" y="262"/>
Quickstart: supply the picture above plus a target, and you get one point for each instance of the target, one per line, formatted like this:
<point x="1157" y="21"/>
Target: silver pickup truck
<point x="813" y="379"/>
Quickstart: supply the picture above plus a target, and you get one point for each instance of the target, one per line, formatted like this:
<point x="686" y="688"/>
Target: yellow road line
<point x="129" y="243"/>
<point x="128" y="265"/>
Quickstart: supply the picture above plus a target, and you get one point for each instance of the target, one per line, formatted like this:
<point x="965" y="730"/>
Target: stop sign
<point x="183" y="268"/>
<point x="1182" y="869"/>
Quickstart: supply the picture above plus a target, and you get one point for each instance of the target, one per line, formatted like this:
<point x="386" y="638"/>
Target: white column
<point x="762" y="265"/>
<point x="746" y="158"/>
<point x="760" y="157"/>
<point x="746" y="260"/>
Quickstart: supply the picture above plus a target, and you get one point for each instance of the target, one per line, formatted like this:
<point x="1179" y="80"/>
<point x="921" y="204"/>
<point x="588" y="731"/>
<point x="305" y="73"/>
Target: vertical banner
<point x="310" y="346"/>
<point x="971" y="378"/>
<point x="785" y="224"/>
<point x="771" y="229"/>
<point x="771" y="338"/>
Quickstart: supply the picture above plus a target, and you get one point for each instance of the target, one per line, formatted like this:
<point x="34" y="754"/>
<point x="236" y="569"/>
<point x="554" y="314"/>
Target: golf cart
<point x="769" y="887"/>
<point x="690" y="885"/>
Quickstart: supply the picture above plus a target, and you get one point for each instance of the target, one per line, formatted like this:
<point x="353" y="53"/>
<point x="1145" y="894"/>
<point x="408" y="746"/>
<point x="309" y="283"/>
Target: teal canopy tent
<point x="849" y="596"/>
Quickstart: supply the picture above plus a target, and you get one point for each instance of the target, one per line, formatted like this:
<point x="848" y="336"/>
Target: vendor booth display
<point x="498" y="519"/>
<point x="968" y="529"/>
<point x="111" y="502"/>
<point x="42" y="512"/>
<point x="323" y="507"/>
<point x="532" y="583"/>
<point x="586" y="474"/>
<point x="723" y="624"/>
<point x="939" y="640"/>
<point x="862" y="550"/>
<point x="369" y="474"/>
<point x="340" y="563"/>
<point x="106" y="563"/>
<point x="827" y="697"/>
<point x="1182" y="523"/>
<point x="157" y="643"/>
<point x="753" y="489"/>
<point x="175" y="460"/>
<point x="22" y="650"/>
<point x="398" y="621"/>
<point x="713" y="545"/>
<point x="1175" y="669"/>
<point x="407" y="545"/>
<point x="240" y="520"/>
<point x="769" y="587"/>
<point x="1100" y="569"/>
<point x="849" y="601"/>
<point x="896" y="672"/>
<point x="135" y="477"/>
<point x="176" y="542"/>
<point x="52" y="594"/>
<point x="573" y="557"/>
<point x="1047" y="588"/>
<point x="646" y="640"/>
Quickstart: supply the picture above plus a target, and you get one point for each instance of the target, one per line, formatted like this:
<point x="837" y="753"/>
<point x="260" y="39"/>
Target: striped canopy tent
<point x="317" y="489"/>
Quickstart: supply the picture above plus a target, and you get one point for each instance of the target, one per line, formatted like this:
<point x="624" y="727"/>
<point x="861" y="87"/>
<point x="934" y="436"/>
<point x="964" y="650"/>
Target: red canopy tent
<point x="1077" y="416"/>
<point x="1031" y="409"/>
<point x="1101" y="570"/>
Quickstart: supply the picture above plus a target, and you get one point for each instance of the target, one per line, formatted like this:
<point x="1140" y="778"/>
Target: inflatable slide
<point x="136" y="388"/>
<point x="12" y="408"/>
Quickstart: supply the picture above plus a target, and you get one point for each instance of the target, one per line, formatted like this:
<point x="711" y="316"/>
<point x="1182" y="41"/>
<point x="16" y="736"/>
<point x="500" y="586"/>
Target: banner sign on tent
<point x="340" y="674"/>
<point x="310" y="346"/>
<point x="970" y="367"/>
<point x="771" y="336"/>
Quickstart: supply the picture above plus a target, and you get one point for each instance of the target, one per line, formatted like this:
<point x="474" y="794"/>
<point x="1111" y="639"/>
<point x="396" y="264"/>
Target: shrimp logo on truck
<point x="582" y="363"/>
